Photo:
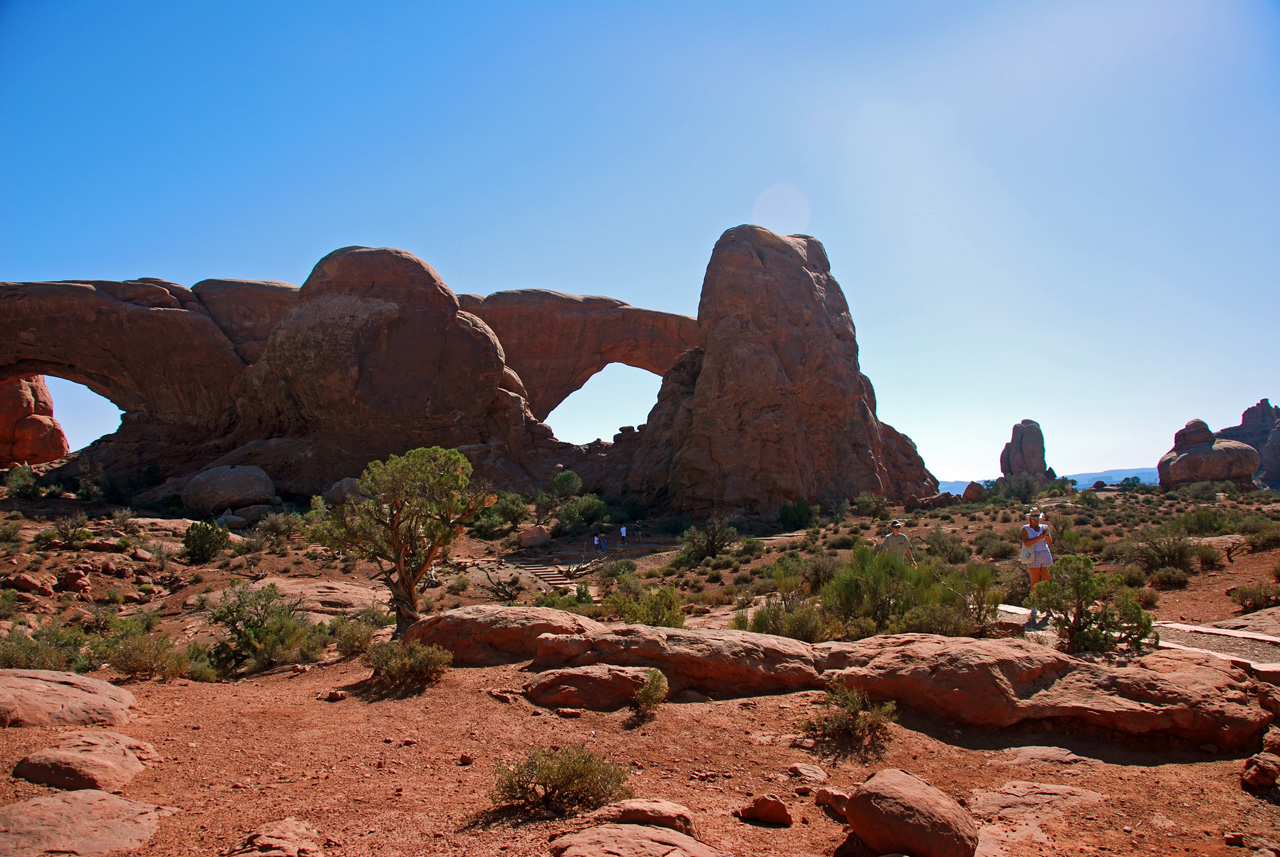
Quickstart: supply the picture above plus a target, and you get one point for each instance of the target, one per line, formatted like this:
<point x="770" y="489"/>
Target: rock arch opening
<point x="84" y="415"/>
<point x="618" y="395"/>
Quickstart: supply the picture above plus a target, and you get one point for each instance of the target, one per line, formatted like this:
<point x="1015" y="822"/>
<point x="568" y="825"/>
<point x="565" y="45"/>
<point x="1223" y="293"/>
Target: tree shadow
<point x="368" y="690"/>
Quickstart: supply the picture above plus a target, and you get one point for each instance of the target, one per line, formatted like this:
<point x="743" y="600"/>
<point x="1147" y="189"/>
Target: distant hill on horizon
<point x="1083" y="480"/>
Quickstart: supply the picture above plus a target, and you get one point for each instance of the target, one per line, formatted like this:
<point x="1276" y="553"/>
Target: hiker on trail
<point x="1035" y="542"/>
<point x="603" y="547"/>
<point x="897" y="544"/>
<point x="595" y="543"/>
<point x="622" y="533"/>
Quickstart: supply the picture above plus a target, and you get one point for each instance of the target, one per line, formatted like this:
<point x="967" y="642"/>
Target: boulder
<point x="832" y="799"/>
<point x="1261" y="771"/>
<point x="28" y="432"/>
<point x="330" y="597"/>
<point x="974" y="492"/>
<point x="534" y="537"/>
<point x="943" y="500"/>
<point x="808" y="773"/>
<point x="339" y="491"/>
<point x="630" y="840"/>
<point x="253" y="514"/>
<point x="771" y="405"/>
<point x="487" y="635"/>
<point x="220" y="488"/>
<point x="1023" y="455"/>
<point x="766" y="809"/>
<point x="555" y="342"/>
<point x="655" y="813"/>
<point x="1197" y="456"/>
<point x="897" y="812"/>
<point x="599" y="687"/>
<point x="721" y="664"/>
<point x="85" y="823"/>
<point x="47" y="698"/>
<point x="286" y="838"/>
<point x="87" y="760"/>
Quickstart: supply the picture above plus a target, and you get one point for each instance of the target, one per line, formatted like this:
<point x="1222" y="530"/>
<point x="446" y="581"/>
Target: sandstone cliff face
<point x="1255" y="428"/>
<point x="555" y="342"/>
<point x="28" y="432"/>
<point x="1023" y="455"/>
<point x="1197" y="456"/>
<point x="1270" y="474"/>
<point x="771" y="405"/>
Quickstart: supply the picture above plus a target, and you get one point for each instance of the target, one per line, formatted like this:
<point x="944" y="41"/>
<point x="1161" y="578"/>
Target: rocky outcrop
<point x="488" y="634"/>
<point x="28" y="432"/>
<point x="1198" y="456"/>
<point x="87" y="760"/>
<point x="47" y="698"/>
<point x="246" y="310"/>
<point x="634" y="840"/>
<point x="288" y="837"/>
<point x="85" y="823"/>
<point x="1257" y="426"/>
<point x="1023" y="455"/>
<point x="771" y="405"/>
<point x="898" y="812"/>
<point x="599" y="687"/>
<point x="1270" y="474"/>
<point x="555" y="342"/>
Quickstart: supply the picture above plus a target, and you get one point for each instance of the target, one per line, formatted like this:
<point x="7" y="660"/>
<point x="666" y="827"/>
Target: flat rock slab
<point x="630" y="840"/>
<point x="286" y="838"/>
<point x="84" y="823"/>
<point x="1017" y="808"/>
<point x="47" y="698"/>
<point x="1037" y="755"/>
<point x="87" y="760"/>
<point x="330" y="597"/>
<point x="656" y="813"/>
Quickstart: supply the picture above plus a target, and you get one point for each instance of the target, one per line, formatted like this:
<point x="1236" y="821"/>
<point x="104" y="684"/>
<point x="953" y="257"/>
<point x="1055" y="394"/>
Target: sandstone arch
<point x="555" y="342"/>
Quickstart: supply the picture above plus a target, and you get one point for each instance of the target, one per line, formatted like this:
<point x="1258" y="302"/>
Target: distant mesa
<point x="1198" y="456"/>
<point x="1023" y="455"/>
<point x="762" y="400"/>
<point x="28" y="432"/>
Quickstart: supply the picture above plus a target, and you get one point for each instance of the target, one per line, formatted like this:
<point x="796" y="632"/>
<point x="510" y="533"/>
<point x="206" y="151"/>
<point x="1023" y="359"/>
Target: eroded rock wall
<point x="28" y="432"/>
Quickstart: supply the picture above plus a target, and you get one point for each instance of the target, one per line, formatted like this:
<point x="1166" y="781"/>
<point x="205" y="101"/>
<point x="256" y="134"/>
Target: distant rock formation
<point x="1270" y="473"/>
<point x="1023" y="455"/>
<point x="28" y="432"/>
<point x="771" y="406"/>
<point x="1256" y="425"/>
<point x="555" y="342"/>
<point x="762" y="402"/>
<point x="1198" y="456"/>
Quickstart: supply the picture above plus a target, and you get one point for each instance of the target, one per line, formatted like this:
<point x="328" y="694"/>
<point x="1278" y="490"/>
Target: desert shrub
<point x="375" y="617"/>
<point x="54" y="646"/>
<point x="10" y="533"/>
<point x="202" y="542"/>
<point x="122" y="520"/>
<point x="1208" y="522"/>
<point x="8" y="603"/>
<point x="798" y="618"/>
<point x="1156" y="549"/>
<point x="870" y="505"/>
<point x="352" y="635"/>
<point x="659" y="607"/>
<point x="1206" y="492"/>
<point x="995" y="545"/>
<point x="578" y="513"/>
<point x="612" y="569"/>
<point x="508" y="512"/>
<point x="141" y="656"/>
<point x="849" y="724"/>
<point x="651" y="694"/>
<point x="875" y="593"/>
<point x="1093" y="612"/>
<point x="708" y="539"/>
<point x="1265" y="539"/>
<point x="72" y="529"/>
<point x="278" y="528"/>
<point x="749" y="548"/>
<point x="1209" y="557"/>
<point x="412" y="664"/>
<point x="1168" y="578"/>
<point x="947" y="547"/>
<point x="460" y="584"/>
<point x="566" y="484"/>
<point x="1146" y="597"/>
<point x="20" y="482"/>
<point x="1089" y="499"/>
<point x="561" y="780"/>
<point x="1253" y="598"/>
<point x="844" y="542"/>
<point x="799" y="515"/>
<point x="262" y="629"/>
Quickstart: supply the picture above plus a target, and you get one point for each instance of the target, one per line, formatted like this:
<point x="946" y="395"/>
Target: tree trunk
<point x="404" y="601"/>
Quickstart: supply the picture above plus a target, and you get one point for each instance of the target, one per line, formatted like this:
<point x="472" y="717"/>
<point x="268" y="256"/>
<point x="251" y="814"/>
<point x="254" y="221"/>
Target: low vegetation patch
<point x="651" y="694"/>
<point x="561" y="781"/>
<point x="1093" y="612"/>
<point x="202" y="542"/>
<point x="402" y="665"/>
<point x="849" y="724"/>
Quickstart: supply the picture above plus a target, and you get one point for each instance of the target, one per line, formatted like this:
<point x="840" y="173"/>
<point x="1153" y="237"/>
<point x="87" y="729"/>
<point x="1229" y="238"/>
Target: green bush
<point x="799" y="515"/>
<point x="994" y="545"/>
<point x="1093" y="612"/>
<point x="8" y="603"/>
<point x="72" y="529"/>
<point x="1209" y="557"/>
<point x="1253" y="598"/>
<point x="1156" y="549"/>
<point x="561" y="780"/>
<point x="566" y="484"/>
<point x="651" y="694"/>
<point x="202" y="542"/>
<point x="870" y="505"/>
<point x="412" y="664"/>
<point x="140" y="656"/>
<point x="947" y="547"/>
<point x="262" y="629"/>
<point x="849" y="724"/>
<point x="1168" y="578"/>
<point x="10" y="533"/>
<point x="749" y="548"/>
<point x="611" y="569"/>
<point x="351" y="635"/>
<point x="54" y="646"/>
<point x="579" y="513"/>
<point x="658" y="607"/>
<point x="1265" y="539"/>
<point x="278" y="528"/>
<point x="797" y="618"/>
<point x="709" y="539"/>
<point x="20" y="482"/>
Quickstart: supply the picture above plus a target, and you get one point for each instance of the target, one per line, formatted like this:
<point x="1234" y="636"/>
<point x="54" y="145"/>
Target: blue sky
<point x="1059" y="211"/>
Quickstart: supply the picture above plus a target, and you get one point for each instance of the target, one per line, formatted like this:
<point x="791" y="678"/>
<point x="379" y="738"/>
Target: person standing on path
<point x="1036" y="536"/>
<point x="603" y="545"/>
<point x="622" y="534"/>
<point x="595" y="543"/>
<point x="897" y="544"/>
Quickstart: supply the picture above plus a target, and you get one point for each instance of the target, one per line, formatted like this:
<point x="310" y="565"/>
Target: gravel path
<point x="1253" y="650"/>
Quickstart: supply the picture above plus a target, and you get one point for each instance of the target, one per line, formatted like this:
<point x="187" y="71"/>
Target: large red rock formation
<point x="771" y="405"/>
<point x="1255" y="429"/>
<point x="28" y="432"/>
<point x="1270" y="474"/>
<point x="1198" y="456"/>
<point x="1023" y="455"/>
<point x="556" y="342"/>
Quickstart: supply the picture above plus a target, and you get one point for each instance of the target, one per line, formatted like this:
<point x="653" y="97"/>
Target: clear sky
<point x="1065" y="211"/>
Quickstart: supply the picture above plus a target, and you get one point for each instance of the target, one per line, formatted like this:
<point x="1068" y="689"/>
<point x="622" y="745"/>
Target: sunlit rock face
<point x="28" y="432"/>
